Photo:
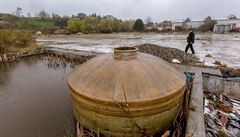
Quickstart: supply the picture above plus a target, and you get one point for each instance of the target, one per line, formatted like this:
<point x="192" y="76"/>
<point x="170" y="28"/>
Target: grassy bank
<point x="16" y="40"/>
<point x="29" y="23"/>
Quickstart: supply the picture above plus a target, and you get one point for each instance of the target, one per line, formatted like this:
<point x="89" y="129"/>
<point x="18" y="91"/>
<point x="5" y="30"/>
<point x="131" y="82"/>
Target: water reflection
<point x="34" y="97"/>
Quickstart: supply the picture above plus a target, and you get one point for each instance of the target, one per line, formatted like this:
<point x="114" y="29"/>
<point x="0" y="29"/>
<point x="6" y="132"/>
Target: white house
<point x="223" y="25"/>
<point x="187" y="24"/>
<point x="226" y="25"/>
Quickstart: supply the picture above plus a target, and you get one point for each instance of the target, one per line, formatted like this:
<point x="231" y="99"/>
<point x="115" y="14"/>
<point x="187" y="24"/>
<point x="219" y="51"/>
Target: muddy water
<point x="222" y="47"/>
<point x="34" y="99"/>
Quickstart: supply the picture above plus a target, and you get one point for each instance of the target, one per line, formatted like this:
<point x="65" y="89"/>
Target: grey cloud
<point x="126" y="9"/>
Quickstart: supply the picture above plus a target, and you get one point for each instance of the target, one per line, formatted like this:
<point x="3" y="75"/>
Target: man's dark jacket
<point x="190" y="37"/>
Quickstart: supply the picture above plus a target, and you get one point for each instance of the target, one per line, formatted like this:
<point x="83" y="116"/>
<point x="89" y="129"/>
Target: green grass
<point x="33" y="23"/>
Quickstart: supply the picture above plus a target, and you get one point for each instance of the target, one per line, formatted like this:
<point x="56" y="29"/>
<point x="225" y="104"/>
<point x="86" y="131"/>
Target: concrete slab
<point x="195" y="122"/>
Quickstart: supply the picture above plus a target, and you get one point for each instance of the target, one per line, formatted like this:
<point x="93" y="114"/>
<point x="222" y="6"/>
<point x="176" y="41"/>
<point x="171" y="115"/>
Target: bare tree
<point x="207" y="18"/>
<point x="29" y="14"/>
<point x="43" y="14"/>
<point x="55" y="16"/>
<point x="18" y="11"/>
<point x="148" y="20"/>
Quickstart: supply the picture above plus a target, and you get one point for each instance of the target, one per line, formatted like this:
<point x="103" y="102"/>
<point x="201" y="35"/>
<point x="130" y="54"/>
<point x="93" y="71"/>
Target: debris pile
<point x="168" y="54"/>
<point x="229" y="72"/>
<point x="221" y="115"/>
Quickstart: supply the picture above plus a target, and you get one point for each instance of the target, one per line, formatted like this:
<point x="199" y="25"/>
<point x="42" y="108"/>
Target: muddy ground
<point x="208" y="47"/>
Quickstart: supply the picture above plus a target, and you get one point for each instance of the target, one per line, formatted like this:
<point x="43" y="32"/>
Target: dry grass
<point x="14" y="49"/>
<point x="220" y="64"/>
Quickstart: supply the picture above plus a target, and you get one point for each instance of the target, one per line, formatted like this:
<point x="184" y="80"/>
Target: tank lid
<point x="125" y="53"/>
<point x="144" y="78"/>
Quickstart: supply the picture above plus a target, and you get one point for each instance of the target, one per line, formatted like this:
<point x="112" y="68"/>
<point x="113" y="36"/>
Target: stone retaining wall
<point x="71" y="54"/>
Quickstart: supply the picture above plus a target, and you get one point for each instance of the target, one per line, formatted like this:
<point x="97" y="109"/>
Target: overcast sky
<point x="159" y="10"/>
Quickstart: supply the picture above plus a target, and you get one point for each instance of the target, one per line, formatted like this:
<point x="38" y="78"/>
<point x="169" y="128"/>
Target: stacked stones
<point x="55" y="61"/>
<point x="168" y="54"/>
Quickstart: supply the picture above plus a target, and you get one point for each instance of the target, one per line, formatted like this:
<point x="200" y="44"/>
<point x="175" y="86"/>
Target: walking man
<point x="190" y="40"/>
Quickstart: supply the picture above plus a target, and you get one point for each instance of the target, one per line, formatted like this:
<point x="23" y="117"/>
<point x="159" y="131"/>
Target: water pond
<point x="34" y="98"/>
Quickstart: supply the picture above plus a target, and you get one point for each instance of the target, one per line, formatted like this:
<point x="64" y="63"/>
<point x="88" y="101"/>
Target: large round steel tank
<point x="126" y="92"/>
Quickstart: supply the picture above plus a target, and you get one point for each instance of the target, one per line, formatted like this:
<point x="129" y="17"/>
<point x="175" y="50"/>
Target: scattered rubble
<point x="221" y="115"/>
<point x="168" y="54"/>
<point x="229" y="72"/>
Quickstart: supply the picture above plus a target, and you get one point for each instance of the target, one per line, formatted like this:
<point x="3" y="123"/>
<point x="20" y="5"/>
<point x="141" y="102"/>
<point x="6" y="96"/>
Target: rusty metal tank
<point x="126" y="93"/>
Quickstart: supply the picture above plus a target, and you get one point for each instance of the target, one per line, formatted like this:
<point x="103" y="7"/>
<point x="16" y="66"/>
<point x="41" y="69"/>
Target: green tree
<point x="81" y="15"/>
<point x="105" y="26"/>
<point x="138" y="26"/>
<point x="61" y="21"/>
<point x="75" y="25"/>
<point x="127" y="26"/>
<point x="90" y="23"/>
<point x="116" y="26"/>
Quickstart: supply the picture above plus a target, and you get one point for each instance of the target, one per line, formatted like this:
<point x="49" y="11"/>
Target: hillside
<point x="31" y="23"/>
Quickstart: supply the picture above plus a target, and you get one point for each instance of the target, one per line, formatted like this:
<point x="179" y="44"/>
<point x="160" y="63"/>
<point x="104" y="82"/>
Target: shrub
<point x="138" y="26"/>
<point x="75" y="25"/>
<point x="61" y="22"/>
<point x="90" y="23"/>
<point x="2" y="49"/>
<point x="15" y="38"/>
<point x="23" y="38"/>
<point x="106" y="26"/>
<point x="116" y="26"/>
<point x="6" y="37"/>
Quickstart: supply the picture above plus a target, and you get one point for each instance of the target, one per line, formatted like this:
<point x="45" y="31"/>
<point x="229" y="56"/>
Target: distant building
<point x="223" y="25"/>
<point x="226" y="25"/>
<point x="187" y="24"/>
<point x="110" y="17"/>
<point x="149" y="26"/>
<point x="165" y="25"/>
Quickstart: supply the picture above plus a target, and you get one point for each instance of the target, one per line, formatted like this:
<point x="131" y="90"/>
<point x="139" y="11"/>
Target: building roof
<point x="201" y="20"/>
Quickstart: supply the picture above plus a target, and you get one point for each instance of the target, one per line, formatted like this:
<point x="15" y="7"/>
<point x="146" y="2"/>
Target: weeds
<point x="12" y="40"/>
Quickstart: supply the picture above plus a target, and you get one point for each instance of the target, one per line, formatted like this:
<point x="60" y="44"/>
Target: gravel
<point x="168" y="54"/>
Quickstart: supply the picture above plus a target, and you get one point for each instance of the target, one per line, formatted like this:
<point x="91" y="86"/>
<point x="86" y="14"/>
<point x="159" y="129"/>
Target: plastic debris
<point x="221" y="115"/>
<point x="176" y="61"/>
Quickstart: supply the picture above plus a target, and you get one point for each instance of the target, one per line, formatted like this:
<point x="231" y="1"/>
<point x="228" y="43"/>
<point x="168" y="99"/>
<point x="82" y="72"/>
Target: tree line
<point x="81" y="22"/>
<point x="91" y="24"/>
